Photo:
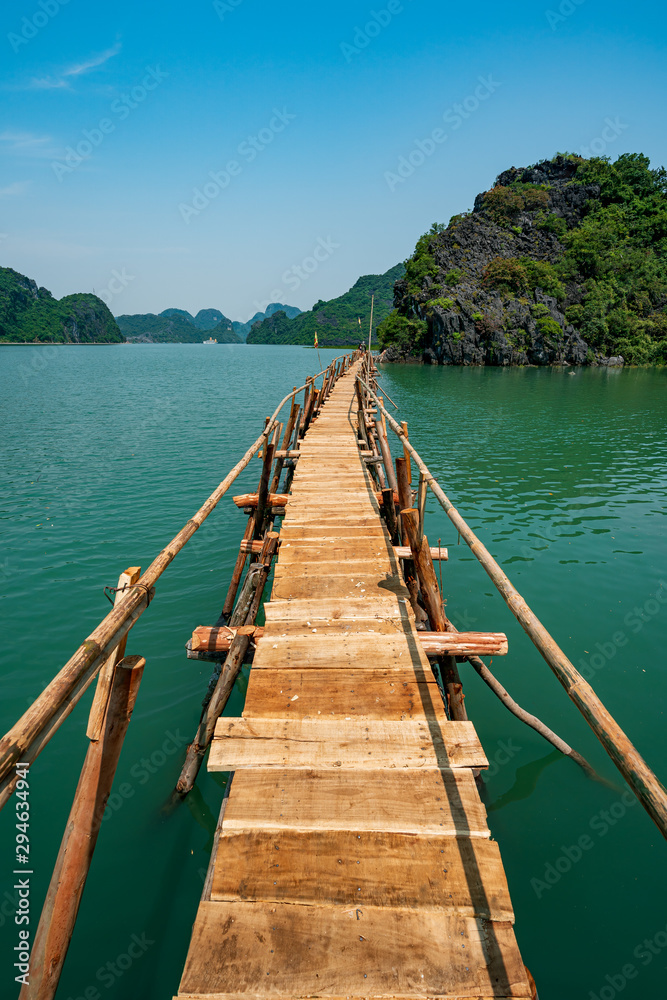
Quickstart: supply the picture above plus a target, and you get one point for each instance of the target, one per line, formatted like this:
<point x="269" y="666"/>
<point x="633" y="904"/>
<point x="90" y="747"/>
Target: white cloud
<point x="27" y="144"/>
<point x="62" y="80"/>
<point x="47" y="83"/>
<point x="18" y="187"/>
<point x="94" y="61"/>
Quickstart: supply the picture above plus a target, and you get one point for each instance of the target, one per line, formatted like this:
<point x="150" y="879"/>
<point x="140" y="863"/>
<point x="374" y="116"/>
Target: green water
<point x="107" y="451"/>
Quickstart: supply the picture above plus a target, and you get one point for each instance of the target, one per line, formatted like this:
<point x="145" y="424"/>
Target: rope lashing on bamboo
<point x="647" y="787"/>
<point x="108" y="591"/>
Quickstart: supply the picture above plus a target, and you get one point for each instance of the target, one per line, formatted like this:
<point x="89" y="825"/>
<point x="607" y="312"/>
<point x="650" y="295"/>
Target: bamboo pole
<point x="244" y="619"/>
<point x="386" y="454"/>
<point x="26" y="740"/>
<point x="263" y="492"/>
<point x="56" y="924"/>
<point x="106" y="674"/>
<point x="34" y="729"/>
<point x="382" y="419"/>
<point x="428" y="582"/>
<point x="389" y="507"/>
<point x="421" y="501"/>
<point x="513" y="706"/>
<point x="406" y="453"/>
<point x="409" y="572"/>
<point x="647" y="787"/>
<point x="238" y="570"/>
<point x="280" y="461"/>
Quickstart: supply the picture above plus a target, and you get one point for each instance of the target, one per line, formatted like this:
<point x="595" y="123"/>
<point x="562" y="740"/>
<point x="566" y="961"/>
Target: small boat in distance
<point x="210" y="341"/>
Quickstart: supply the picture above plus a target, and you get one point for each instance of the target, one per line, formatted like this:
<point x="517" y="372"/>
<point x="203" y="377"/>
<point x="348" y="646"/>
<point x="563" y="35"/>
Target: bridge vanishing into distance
<point x="352" y="856"/>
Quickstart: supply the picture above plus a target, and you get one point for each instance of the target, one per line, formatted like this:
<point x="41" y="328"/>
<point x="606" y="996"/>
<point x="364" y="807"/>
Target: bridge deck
<point x="353" y="857"/>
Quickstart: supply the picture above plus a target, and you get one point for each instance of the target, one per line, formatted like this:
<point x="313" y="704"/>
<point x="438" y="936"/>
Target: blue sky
<point x="291" y="121"/>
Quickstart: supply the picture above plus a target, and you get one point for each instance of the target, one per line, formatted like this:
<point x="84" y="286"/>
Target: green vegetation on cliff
<point x="174" y="327"/>
<point x="336" y="322"/>
<point x="29" y="314"/>
<point x="562" y="261"/>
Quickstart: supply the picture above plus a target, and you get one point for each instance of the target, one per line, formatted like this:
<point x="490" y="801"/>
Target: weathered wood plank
<point x="422" y="802"/>
<point x="336" y="548"/>
<point x="349" y="533"/>
<point x="213" y="639"/>
<point x="294" y="586"/>
<point x="386" y="869"/>
<point x="347" y="608"/>
<point x="391" y="695"/>
<point x="319" y="744"/>
<point x="278" y="949"/>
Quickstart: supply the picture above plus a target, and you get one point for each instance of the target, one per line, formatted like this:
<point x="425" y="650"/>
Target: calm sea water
<point x="107" y="451"/>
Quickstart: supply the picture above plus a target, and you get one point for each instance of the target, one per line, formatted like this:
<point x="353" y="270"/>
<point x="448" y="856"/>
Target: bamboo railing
<point x="101" y="655"/>
<point x="25" y="740"/>
<point x="641" y="779"/>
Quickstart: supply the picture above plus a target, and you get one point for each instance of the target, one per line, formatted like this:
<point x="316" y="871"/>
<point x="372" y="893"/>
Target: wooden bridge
<point x="352" y="856"/>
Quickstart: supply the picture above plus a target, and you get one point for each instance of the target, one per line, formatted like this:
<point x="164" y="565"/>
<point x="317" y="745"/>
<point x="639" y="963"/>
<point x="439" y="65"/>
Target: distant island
<point x="177" y="326"/>
<point x="335" y="321"/>
<point x="29" y="314"/>
<point x="563" y="262"/>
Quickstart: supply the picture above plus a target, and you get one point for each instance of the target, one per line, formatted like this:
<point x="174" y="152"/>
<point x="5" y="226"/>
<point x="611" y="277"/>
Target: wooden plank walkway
<point x="352" y="857"/>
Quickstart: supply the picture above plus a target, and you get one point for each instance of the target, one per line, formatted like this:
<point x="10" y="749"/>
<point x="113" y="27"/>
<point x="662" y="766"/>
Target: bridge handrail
<point x="645" y="784"/>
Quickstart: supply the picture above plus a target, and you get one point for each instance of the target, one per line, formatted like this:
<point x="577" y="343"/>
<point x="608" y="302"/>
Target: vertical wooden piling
<point x="409" y="571"/>
<point x="386" y="455"/>
<point x="106" y="674"/>
<point x="428" y="582"/>
<point x="406" y="453"/>
<point x="389" y="507"/>
<point x="63" y="898"/>
<point x="263" y="492"/>
<point x="244" y="616"/>
<point x="280" y="462"/>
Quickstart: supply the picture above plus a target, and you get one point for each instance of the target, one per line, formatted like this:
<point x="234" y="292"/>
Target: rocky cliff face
<point x="29" y="314"/>
<point x="485" y="290"/>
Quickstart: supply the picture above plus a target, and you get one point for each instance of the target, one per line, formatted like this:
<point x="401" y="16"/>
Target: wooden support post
<point x="63" y="898"/>
<point x="390" y="514"/>
<point x="315" y="408"/>
<point x="403" y="489"/>
<point x="197" y="749"/>
<point x="244" y="615"/>
<point x="409" y="571"/>
<point x="377" y="467"/>
<point x="308" y="394"/>
<point x="384" y="422"/>
<point x="421" y="501"/>
<point x="406" y="453"/>
<point x="386" y="455"/>
<point x="297" y="424"/>
<point x="248" y="535"/>
<point x="263" y="491"/>
<point x="106" y="674"/>
<point x="280" y="460"/>
<point x="428" y="581"/>
<point x="453" y="688"/>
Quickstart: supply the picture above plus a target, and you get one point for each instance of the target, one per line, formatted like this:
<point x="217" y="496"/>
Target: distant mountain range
<point x="336" y="321"/>
<point x="29" y="314"/>
<point x="178" y="326"/>
<point x="243" y="329"/>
